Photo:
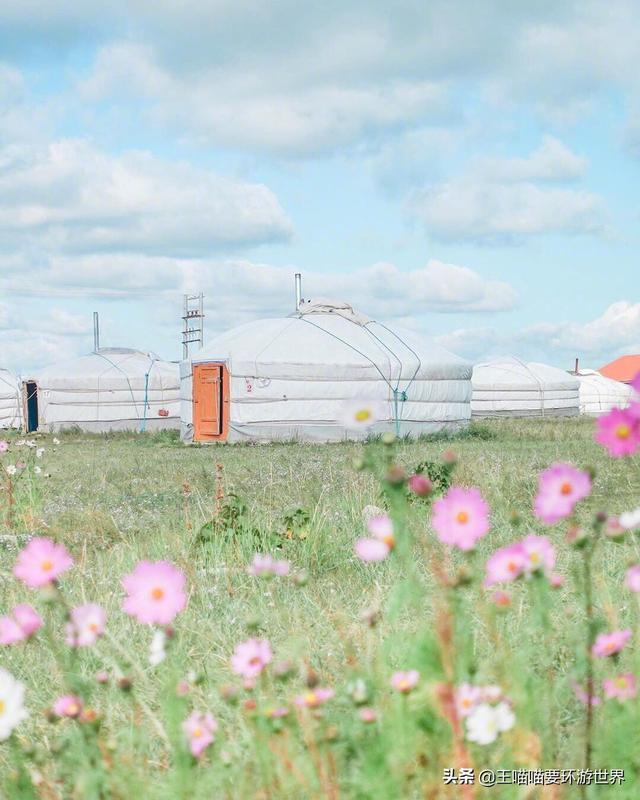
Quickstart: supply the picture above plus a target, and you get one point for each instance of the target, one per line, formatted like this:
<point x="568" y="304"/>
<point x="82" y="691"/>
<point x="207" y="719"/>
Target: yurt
<point x="623" y="369"/>
<point x="599" y="394"/>
<point x="292" y="378"/>
<point x="10" y="404"/>
<point x="508" y="387"/>
<point x="110" y="389"/>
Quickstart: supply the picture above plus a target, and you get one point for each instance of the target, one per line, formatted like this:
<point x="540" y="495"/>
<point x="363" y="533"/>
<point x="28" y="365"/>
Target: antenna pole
<point x="193" y="316"/>
<point x="298" y="291"/>
<point x="96" y="332"/>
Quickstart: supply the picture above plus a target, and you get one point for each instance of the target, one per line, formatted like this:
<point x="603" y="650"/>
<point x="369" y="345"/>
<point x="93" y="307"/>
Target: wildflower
<point x="86" y="624"/>
<point x="12" y="710"/>
<point x="619" y="432"/>
<point x="251" y="657"/>
<point x="41" y="562"/>
<point x="200" y="730"/>
<point x="266" y="565"/>
<point x="155" y="592"/>
<point x="22" y="623"/>
<point x="39" y="452"/>
<point x="539" y="554"/>
<point x="630" y="520"/>
<point x="37" y="470"/>
<point x="11" y="469"/>
<point x="405" y="682"/>
<point x="420" y="485"/>
<point x="635" y="383"/>
<point x="277" y="713"/>
<point x="367" y="715"/>
<point x="102" y="676"/>
<point x="381" y="542"/>
<point x="556" y="580"/>
<point x="314" y="697"/>
<point x="609" y="644"/>
<point x="485" y="722"/>
<point x="467" y="698"/>
<point x="583" y="697"/>
<point x="613" y="530"/>
<point x="506" y="564"/>
<point x="501" y="599"/>
<point x="56" y="441"/>
<point x="623" y="687"/>
<point x="4" y="446"/>
<point x="461" y="517"/>
<point x="560" y="487"/>
<point x="632" y="578"/>
<point x="360" y="414"/>
<point x="157" y="649"/>
<point x="69" y="705"/>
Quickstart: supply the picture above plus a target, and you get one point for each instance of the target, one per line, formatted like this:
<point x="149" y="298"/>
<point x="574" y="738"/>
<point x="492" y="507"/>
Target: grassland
<point x="114" y="500"/>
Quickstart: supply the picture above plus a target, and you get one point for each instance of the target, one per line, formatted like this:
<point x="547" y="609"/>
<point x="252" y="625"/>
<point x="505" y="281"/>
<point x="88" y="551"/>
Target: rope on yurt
<point x="117" y="366"/>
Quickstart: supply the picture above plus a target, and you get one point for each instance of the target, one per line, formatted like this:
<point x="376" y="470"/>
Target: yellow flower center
<point x="462" y="517"/>
<point x="623" y="431"/>
<point x="157" y="593"/>
<point x="621" y="683"/>
<point x="311" y="699"/>
<point x="389" y="541"/>
<point x="93" y="627"/>
<point x="47" y="566"/>
<point x="196" y="732"/>
<point x="73" y="709"/>
<point x="566" y="488"/>
<point x="512" y="566"/>
<point x="534" y="557"/>
<point x="2" y="707"/>
<point x="363" y="415"/>
<point x="404" y="685"/>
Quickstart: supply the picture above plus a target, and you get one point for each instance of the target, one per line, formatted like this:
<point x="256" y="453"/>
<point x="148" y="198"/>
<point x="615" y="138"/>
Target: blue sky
<point x="469" y="169"/>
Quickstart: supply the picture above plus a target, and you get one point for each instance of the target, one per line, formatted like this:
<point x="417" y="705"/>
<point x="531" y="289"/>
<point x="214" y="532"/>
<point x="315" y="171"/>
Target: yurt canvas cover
<point x="599" y="394"/>
<point x="10" y="404"/>
<point x="110" y="389"/>
<point x="510" y="387"/>
<point x="290" y="378"/>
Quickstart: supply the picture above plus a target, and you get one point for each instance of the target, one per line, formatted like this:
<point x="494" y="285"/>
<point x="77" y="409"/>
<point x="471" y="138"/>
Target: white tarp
<point x="290" y="377"/>
<point x="510" y="387"/>
<point x="10" y="402"/>
<point x="111" y="389"/>
<point x="599" y="394"/>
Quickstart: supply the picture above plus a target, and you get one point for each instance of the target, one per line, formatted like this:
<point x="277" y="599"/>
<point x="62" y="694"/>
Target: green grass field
<point x="115" y="500"/>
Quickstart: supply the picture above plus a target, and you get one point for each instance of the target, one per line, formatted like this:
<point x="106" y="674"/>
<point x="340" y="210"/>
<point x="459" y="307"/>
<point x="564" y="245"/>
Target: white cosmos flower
<point x="157" y="652"/>
<point x="11" y="469"/>
<point x="630" y="520"/>
<point x="37" y="470"/>
<point x="39" y="452"/>
<point x="56" y="441"/>
<point x="12" y="710"/>
<point x="485" y="722"/>
<point x="360" y="414"/>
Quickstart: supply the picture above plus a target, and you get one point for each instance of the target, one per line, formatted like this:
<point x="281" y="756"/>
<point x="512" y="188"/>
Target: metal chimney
<point x="298" y="291"/>
<point x="96" y="332"/>
<point x="577" y="366"/>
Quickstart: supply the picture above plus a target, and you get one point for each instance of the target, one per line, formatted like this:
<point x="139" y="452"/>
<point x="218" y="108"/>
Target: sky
<point x="466" y="168"/>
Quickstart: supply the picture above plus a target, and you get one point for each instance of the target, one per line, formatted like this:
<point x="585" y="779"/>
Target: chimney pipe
<point x="576" y="370"/>
<point x="298" y="291"/>
<point x="96" y="332"/>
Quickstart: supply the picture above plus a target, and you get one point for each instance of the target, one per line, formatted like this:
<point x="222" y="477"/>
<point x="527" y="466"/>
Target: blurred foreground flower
<point x="41" y="562"/>
<point x="200" y="730"/>
<point x="461" y="517"/>
<point x="382" y="540"/>
<point x="20" y="624"/>
<point x="630" y="520"/>
<point x="610" y="644"/>
<point x="69" y="705"/>
<point x="251" y="657"/>
<point x="86" y="624"/>
<point x="560" y="487"/>
<point x="619" y="431"/>
<point x="314" y="697"/>
<point x="632" y="578"/>
<point x="405" y="682"/>
<point x="485" y="722"/>
<point x="623" y="687"/>
<point x="12" y="710"/>
<point x="157" y="649"/>
<point x="360" y="414"/>
<point x="155" y="592"/>
<point x="265" y="565"/>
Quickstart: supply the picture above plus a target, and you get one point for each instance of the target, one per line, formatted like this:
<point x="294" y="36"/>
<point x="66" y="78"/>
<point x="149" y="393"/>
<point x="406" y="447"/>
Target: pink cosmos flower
<point x="405" y="682"/>
<point x="609" y="644"/>
<point x="382" y="540"/>
<point x="539" y="554"/>
<point x="199" y="730"/>
<point x="22" y="623"/>
<point x="155" y="592"/>
<point x="560" y="487"/>
<point x="556" y="580"/>
<point x="623" y="687"/>
<point x="41" y="562"/>
<point x="314" y="697"/>
<point x="371" y="550"/>
<point x="583" y="697"/>
<point x="420" y="485"/>
<point x="251" y="657"/>
<point x="635" y="383"/>
<point x="500" y="598"/>
<point x="267" y="566"/>
<point x="68" y="706"/>
<point x="467" y="698"/>
<point x="4" y="446"/>
<point x="632" y="578"/>
<point x="277" y="713"/>
<point x="367" y="715"/>
<point x="461" y="517"/>
<point x="619" y="432"/>
<point x="506" y="564"/>
<point x="86" y="625"/>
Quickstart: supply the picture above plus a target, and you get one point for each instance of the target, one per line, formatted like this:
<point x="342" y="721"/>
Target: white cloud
<point x="71" y="197"/>
<point x="552" y="161"/>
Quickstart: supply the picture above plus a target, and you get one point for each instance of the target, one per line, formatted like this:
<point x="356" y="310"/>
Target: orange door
<point x="210" y="402"/>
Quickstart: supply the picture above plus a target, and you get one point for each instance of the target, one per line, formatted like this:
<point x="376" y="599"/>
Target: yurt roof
<point x="595" y="380"/>
<point x="511" y="373"/>
<point x="622" y="369"/>
<point x="327" y="337"/>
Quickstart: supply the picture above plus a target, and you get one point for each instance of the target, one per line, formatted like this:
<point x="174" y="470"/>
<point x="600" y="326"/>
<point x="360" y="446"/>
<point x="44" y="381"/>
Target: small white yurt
<point x="599" y="394"/>
<point x="10" y="402"/>
<point x="112" y="388"/>
<point x="508" y="387"/>
<point x="292" y="377"/>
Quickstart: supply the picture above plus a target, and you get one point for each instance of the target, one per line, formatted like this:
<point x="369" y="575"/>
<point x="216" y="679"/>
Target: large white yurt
<point x="599" y="394"/>
<point x="292" y="377"/>
<point x="10" y="401"/>
<point x="512" y="388"/>
<point x="112" y="388"/>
